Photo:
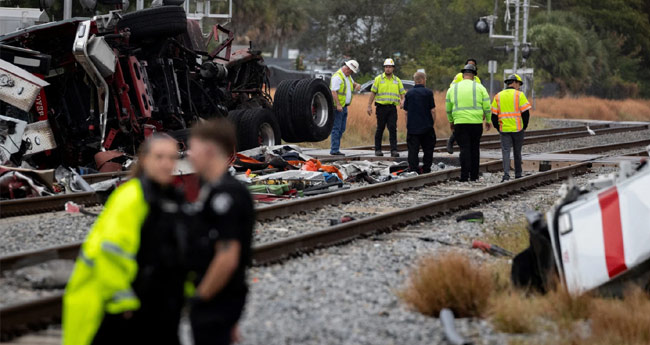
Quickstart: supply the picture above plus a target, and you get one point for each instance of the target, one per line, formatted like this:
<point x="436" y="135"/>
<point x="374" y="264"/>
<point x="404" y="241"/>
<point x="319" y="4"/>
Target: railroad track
<point x="10" y="208"/>
<point x="33" y="314"/>
<point x="21" y="207"/>
<point x="493" y="137"/>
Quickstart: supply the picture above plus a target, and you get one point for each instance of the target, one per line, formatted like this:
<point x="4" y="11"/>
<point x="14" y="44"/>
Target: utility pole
<point x="515" y="41"/>
<point x="548" y="6"/>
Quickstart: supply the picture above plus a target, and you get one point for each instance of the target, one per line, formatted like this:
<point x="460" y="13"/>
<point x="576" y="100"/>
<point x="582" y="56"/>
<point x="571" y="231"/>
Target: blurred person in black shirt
<point x="220" y="245"/>
<point x="420" y="115"/>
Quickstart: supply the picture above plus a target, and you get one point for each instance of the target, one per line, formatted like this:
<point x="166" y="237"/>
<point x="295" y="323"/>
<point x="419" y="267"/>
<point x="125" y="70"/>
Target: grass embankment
<point x="483" y="290"/>
<point x="361" y="127"/>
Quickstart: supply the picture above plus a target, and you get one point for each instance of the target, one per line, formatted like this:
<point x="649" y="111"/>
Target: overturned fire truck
<point x="85" y="92"/>
<point x="595" y="238"/>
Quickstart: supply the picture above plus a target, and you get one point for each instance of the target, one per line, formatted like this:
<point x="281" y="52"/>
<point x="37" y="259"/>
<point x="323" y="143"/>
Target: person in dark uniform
<point x="221" y="240"/>
<point x="420" y="116"/>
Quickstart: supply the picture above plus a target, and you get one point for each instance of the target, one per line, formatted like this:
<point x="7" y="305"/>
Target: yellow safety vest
<point x="101" y="280"/>
<point x="388" y="91"/>
<point x="341" y="93"/>
<point x="508" y="105"/>
<point x="459" y="77"/>
<point x="467" y="102"/>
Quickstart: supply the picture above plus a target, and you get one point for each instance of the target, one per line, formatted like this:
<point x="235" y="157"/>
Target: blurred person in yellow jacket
<point x="127" y="283"/>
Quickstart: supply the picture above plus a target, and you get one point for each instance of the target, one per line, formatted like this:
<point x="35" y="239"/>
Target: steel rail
<point x="21" y="317"/>
<point x="605" y="148"/>
<point x="21" y="207"/>
<point x="490" y="137"/>
<point x="556" y="137"/>
<point x="32" y="257"/>
<point x="18" y="316"/>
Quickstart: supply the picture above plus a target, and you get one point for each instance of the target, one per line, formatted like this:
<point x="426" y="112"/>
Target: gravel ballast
<point x="348" y="294"/>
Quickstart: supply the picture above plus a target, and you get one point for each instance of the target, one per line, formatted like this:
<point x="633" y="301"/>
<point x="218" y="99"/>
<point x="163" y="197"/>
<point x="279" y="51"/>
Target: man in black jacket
<point x="420" y="116"/>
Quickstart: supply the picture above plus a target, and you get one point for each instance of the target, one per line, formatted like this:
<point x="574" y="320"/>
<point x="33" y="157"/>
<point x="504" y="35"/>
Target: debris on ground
<point x="472" y="217"/>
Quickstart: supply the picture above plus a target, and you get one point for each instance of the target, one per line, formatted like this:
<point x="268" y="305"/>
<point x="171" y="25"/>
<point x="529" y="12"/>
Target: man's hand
<point x="339" y="108"/>
<point x="451" y="126"/>
<point x="235" y="336"/>
<point x="369" y="109"/>
<point x="401" y="104"/>
<point x="357" y="87"/>
<point x="487" y="126"/>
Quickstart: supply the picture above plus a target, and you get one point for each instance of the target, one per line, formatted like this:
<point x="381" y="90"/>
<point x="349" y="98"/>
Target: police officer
<point x="457" y="79"/>
<point x="127" y="284"/>
<point x="342" y="86"/>
<point x="221" y="239"/>
<point x="387" y="92"/>
<point x="510" y="115"/>
<point x="468" y="106"/>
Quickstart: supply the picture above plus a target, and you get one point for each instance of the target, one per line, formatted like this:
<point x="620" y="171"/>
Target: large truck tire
<point x="257" y="127"/>
<point x="157" y="22"/>
<point x="282" y="108"/>
<point x="312" y="112"/>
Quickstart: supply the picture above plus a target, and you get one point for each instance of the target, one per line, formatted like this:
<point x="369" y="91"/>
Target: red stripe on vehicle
<point x="610" y="212"/>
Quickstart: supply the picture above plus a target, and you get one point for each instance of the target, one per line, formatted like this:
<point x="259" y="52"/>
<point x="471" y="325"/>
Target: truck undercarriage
<point x="112" y="80"/>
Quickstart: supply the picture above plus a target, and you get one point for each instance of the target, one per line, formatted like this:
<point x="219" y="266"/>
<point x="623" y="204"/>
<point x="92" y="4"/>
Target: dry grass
<point x="593" y="108"/>
<point x="512" y="235"/>
<point x="361" y="127"/>
<point x="449" y="281"/>
<point x="513" y="313"/>
<point x="624" y="321"/>
<point x="558" y="317"/>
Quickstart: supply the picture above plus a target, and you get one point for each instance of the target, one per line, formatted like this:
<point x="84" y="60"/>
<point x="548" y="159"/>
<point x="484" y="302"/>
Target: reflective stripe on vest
<point x="342" y="91"/>
<point x="509" y="110"/>
<point x="474" y="106"/>
<point x="387" y="90"/>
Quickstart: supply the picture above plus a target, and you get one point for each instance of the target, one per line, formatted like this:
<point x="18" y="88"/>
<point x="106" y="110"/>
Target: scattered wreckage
<point x="595" y="238"/>
<point x="85" y="92"/>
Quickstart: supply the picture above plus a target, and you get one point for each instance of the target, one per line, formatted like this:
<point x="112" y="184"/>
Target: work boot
<point x="450" y="144"/>
<point x="337" y="153"/>
<point x="505" y="178"/>
<point x="378" y="153"/>
<point x="394" y="154"/>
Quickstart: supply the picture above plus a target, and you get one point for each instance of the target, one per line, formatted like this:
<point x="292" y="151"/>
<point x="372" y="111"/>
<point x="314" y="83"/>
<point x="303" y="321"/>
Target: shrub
<point x="449" y="281"/>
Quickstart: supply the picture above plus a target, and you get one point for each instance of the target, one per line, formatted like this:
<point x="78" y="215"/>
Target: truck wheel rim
<point x="266" y="136"/>
<point x="319" y="109"/>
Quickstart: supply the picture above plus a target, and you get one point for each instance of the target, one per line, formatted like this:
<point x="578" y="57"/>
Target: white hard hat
<point x="353" y="65"/>
<point x="389" y="62"/>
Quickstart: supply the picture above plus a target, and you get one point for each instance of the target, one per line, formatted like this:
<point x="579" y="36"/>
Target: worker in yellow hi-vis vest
<point x="457" y="79"/>
<point x="468" y="107"/>
<point x="342" y="86"/>
<point x="510" y="115"/>
<point x="387" y="93"/>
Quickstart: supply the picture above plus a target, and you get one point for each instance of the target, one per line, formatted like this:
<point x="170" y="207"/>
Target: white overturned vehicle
<point x="595" y="238"/>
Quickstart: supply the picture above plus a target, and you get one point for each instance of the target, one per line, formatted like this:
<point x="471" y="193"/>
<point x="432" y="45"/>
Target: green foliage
<point x="563" y="54"/>
<point x="439" y="64"/>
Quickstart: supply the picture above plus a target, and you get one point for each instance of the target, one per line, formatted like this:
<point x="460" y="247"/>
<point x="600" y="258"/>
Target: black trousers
<point x="427" y="141"/>
<point x="468" y="137"/>
<point x="386" y="117"/>
<point x="116" y="329"/>
<point x="212" y="322"/>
